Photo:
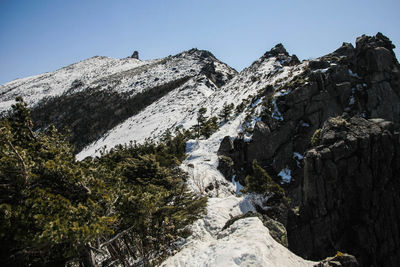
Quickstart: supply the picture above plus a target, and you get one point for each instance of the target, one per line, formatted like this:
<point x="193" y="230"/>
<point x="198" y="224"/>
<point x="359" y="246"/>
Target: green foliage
<point x="226" y="111"/>
<point x="201" y="120"/>
<point x="132" y="201"/>
<point x="91" y="113"/>
<point x="316" y="137"/>
<point x="205" y="126"/>
<point x="240" y="108"/>
<point x="209" y="127"/>
<point x="260" y="182"/>
<point x="48" y="213"/>
<point x="153" y="202"/>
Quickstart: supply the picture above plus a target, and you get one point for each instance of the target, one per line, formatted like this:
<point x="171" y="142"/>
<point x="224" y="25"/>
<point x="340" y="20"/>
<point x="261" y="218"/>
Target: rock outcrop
<point x="345" y="178"/>
<point x="135" y="55"/>
<point x="350" y="200"/>
<point x="339" y="260"/>
<point x="356" y="81"/>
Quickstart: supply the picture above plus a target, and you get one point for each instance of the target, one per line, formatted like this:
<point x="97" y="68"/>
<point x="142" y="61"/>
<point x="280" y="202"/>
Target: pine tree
<point x="132" y="201"/>
<point x="260" y="182"/>
<point x="201" y="120"/>
<point x="226" y="111"/>
<point x="209" y="127"/>
<point x="48" y="213"/>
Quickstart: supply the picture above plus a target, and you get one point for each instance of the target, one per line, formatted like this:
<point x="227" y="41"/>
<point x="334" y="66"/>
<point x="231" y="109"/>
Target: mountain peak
<point x="277" y="50"/>
<point x="379" y="40"/>
<point x="201" y="54"/>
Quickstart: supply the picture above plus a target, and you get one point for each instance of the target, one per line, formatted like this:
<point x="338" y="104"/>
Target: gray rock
<point x="318" y="64"/>
<point x="226" y="146"/>
<point x="225" y="166"/>
<point x="135" y="55"/>
<point x="276" y="229"/>
<point x="339" y="260"/>
<point x="351" y="201"/>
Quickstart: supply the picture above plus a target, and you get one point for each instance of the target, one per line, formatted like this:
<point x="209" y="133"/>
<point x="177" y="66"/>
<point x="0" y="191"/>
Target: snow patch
<point x="285" y="174"/>
<point x="298" y="157"/>
<point x="276" y="114"/>
<point x="245" y="243"/>
<point x="353" y="74"/>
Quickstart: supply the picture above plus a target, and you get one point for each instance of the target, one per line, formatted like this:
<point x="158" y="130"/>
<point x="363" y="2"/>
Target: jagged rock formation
<point x="135" y="55"/>
<point x="362" y="80"/>
<point x="346" y="191"/>
<point x="350" y="199"/>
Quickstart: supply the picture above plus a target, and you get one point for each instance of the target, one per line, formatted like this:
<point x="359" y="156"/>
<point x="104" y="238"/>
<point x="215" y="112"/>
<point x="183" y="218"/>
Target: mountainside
<point x="324" y="131"/>
<point x="94" y="95"/>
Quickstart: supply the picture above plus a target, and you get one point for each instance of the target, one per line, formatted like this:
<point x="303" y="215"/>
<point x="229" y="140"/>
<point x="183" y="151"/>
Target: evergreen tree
<point x="201" y="120"/>
<point x="209" y="127"/>
<point x="131" y="202"/>
<point x="154" y="205"/>
<point x="226" y="111"/>
<point x="48" y="213"/>
<point x="260" y="182"/>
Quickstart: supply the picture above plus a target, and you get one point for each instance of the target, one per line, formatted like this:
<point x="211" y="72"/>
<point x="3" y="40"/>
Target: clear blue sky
<point x="38" y="36"/>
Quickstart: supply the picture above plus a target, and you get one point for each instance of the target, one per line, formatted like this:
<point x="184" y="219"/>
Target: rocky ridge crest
<point x="346" y="200"/>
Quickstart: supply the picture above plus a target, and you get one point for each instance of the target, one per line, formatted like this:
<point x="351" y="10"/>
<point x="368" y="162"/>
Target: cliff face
<point x="350" y="199"/>
<point x="344" y="178"/>
<point x="362" y="80"/>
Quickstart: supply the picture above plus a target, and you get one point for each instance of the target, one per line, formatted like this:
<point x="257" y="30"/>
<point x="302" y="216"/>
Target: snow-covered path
<point x="247" y="241"/>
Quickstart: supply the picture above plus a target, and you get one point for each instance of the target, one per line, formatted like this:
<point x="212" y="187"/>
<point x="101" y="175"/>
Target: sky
<point x="38" y="36"/>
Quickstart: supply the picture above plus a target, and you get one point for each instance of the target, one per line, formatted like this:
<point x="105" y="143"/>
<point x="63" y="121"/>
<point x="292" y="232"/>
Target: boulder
<point x="226" y="146"/>
<point x="225" y="166"/>
<point x="339" y="260"/>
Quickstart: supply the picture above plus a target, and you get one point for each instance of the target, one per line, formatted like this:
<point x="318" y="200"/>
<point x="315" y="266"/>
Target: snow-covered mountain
<point x="207" y="83"/>
<point x="179" y="107"/>
<point x="97" y="94"/>
<point x="279" y="104"/>
<point x="120" y="75"/>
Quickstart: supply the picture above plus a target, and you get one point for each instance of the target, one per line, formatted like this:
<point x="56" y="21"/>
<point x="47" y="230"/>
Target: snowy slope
<point x="176" y="109"/>
<point x="103" y="73"/>
<point x="246" y="242"/>
<point x="179" y="107"/>
<point x="35" y="88"/>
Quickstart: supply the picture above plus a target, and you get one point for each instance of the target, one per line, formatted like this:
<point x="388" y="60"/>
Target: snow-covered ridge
<point x="49" y="84"/>
<point x="179" y="107"/>
<point x="246" y="242"/>
<point x="104" y="73"/>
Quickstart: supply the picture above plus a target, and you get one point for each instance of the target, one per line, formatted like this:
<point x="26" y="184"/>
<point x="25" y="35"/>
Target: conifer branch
<point x="21" y="160"/>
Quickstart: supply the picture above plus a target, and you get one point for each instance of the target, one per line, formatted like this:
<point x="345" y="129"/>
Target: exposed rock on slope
<point x="350" y="193"/>
<point x="362" y="80"/>
<point x="341" y="213"/>
<point x="179" y="107"/>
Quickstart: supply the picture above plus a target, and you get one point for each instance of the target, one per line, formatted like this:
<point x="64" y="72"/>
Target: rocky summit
<point x="299" y="161"/>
